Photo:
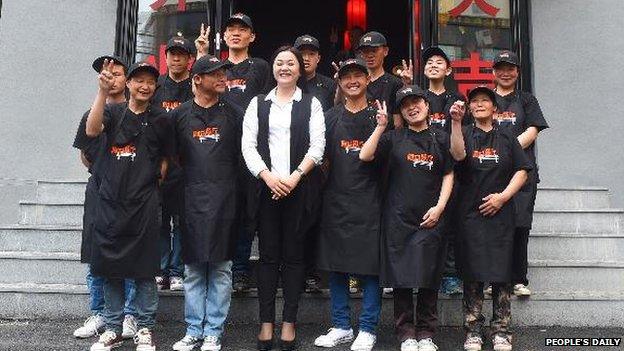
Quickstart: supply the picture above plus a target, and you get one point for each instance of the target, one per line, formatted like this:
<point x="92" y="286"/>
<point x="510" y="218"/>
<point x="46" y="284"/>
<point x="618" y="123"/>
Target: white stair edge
<point x="33" y="255"/>
<point x="575" y="264"/>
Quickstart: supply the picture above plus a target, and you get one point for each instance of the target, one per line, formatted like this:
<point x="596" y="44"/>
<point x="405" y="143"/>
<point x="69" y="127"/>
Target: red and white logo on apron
<point x="505" y="117"/>
<point x="351" y="145"/>
<point x="421" y="160"/>
<point x="203" y="135"/>
<point x="437" y="118"/>
<point x="127" y="151"/>
<point x="486" y="155"/>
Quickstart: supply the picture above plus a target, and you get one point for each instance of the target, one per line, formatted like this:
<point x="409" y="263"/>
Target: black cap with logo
<point x="240" y="18"/>
<point x="208" y="64"/>
<point x="307" y="41"/>
<point x="356" y="63"/>
<point x="99" y="62"/>
<point x="506" y="56"/>
<point x="372" y="39"/>
<point x="142" y="67"/>
<point x="180" y="42"/>
<point x="434" y="51"/>
<point x="483" y="90"/>
<point x="407" y="91"/>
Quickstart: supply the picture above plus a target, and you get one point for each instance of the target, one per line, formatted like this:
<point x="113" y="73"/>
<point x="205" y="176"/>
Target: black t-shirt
<point x="439" y="107"/>
<point x="91" y="147"/>
<point x="246" y="80"/>
<point x="171" y="94"/>
<point x="385" y="88"/>
<point x="323" y="88"/>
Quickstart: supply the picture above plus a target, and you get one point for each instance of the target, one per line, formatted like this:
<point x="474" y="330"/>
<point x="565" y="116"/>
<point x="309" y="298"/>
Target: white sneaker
<point x="211" y="343"/>
<point x="187" y="343"/>
<point x="130" y="327"/>
<point x="144" y="341"/>
<point x="334" y="336"/>
<point x="409" y="345"/>
<point x="501" y="343"/>
<point x="107" y="341"/>
<point x="521" y="290"/>
<point x="364" y="341"/>
<point x="92" y="326"/>
<point x="427" y="345"/>
<point x="473" y="343"/>
<point x="176" y="284"/>
<point x="388" y="291"/>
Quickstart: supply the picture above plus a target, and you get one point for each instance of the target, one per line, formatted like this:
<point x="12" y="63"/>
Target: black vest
<point x="299" y="130"/>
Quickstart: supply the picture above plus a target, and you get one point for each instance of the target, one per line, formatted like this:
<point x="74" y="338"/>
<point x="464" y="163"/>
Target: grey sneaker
<point x="129" y="327"/>
<point x="211" y="343"/>
<point x="187" y="343"/>
<point x="176" y="283"/>
<point x="144" y="340"/>
<point x="92" y="326"/>
<point x="521" y="290"/>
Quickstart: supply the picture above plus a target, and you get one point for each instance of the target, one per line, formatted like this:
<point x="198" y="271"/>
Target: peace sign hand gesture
<point x="382" y="114"/>
<point x="202" y="43"/>
<point x="106" y="80"/>
<point x="407" y="72"/>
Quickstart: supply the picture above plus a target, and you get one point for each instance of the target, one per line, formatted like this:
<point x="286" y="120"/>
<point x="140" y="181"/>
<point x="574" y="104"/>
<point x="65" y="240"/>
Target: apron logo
<point x="170" y="105"/>
<point x="237" y="84"/>
<point x="437" y="118"/>
<point x="205" y="134"/>
<point x="351" y="145"/>
<point x="487" y="154"/>
<point x="506" y="117"/>
<point x="124" y="151"/>
<point x="425" y="160"/>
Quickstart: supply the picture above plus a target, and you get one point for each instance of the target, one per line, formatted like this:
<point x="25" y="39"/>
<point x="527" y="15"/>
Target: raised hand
<point x="407" y="72"/>
<point x="336" y="69"/>
<point x="457" y="111"/>
<point x="106" y="79"/>
<point x="202" y="42"/>
<point x="382" y="113"/>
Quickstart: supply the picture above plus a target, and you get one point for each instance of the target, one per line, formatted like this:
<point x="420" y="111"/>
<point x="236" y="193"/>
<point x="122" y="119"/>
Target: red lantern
<point x="356" y="17"/>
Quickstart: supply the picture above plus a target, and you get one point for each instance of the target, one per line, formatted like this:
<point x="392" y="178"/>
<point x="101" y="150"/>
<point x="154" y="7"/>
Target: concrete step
<point x="41" y="267"/>
<point x="598" y="221"/>
<point x="62" y="301"/>
<point x="70" y="191"/>
<point x="556" y="276"/>
<point x="41" y="238"/>
<point x="584" y="247"/>
<point x="550" y="198"/>
<point x="51" y="213"/>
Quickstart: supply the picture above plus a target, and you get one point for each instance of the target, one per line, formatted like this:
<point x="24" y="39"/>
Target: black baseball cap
<point x="482" y="89"/>
<point x="407" y="91"/>
<point x="99" y="62"/>
<point x="180" y="42"/>
<point x="506" y="56"/>
<point x="307" y="41"/>
<point x="240" y="18"/>
<point x="142" y="67"/>
<point x="209" y="64"/>
<point x="372" y="39"/>
<point x="434" y="51"/>
<point x="357" y="63"/>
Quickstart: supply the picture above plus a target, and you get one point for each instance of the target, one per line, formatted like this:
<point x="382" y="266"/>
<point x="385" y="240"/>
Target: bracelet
<point x="300" y="172"/>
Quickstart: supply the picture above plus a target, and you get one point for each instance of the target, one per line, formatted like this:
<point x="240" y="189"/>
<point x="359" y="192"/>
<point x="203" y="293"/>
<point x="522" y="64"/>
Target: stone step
<point x="63" y="301"/>
<point x="584" y="247"/>
<point x="598" y="221"/>
<point x="41" y="238"/>
<point x="70" y="191"/>
<point x="556" y="276"/>
<point x="41" y="267"/>
<point x="51" y="213"/>
<point x="549" y="198"/>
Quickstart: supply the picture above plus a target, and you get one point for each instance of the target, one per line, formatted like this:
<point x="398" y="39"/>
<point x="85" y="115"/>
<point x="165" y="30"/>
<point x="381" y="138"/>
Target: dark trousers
<point x="426" y="314"/>
<point x="312" y="238"/>
<point x="473" y="307"/>
<point x="520" y="261"/>
<point x="281" y="244"/>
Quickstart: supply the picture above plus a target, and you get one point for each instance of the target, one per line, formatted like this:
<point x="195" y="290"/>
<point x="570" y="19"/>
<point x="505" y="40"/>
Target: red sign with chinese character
<point x="472" y="72"/>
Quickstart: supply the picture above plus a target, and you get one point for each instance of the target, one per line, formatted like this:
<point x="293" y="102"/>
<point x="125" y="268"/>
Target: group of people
<point x="364" y="175"/>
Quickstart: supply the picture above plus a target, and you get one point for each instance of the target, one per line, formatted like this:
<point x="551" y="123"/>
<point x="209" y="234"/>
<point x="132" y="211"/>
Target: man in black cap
<point x="322" y="87"/>
<point x="90" y="149"/>
<point x="208" y="136"/>
<point x="248" y="77"/>
<point x="373" y="48"/>
<point x="125" y="236"/>
<point x="174" y="88"/>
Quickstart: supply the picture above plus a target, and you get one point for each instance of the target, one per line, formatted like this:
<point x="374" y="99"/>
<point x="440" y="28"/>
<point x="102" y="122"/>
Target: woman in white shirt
<point x="283" y="140"/>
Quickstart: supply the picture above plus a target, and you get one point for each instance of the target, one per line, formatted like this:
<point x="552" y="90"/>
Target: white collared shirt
<point x="279" y="134"/>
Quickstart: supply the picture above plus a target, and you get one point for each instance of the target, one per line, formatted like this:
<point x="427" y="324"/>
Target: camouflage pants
<point x="501" y="309"/>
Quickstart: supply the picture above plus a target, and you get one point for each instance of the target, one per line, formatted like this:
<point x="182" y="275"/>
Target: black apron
<point x="485" y="244"/>
<point x="209" y="148"/>
<point x="88" y="219"/>
<point x="125" y="240"/>
<point x="512" y="116"/>
<point x="412" y="256"/>
<point x="350" y="225"/>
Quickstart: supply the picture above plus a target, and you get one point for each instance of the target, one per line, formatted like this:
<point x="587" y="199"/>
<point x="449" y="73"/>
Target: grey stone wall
<point x="46" y="83"/>
<point x="578" y="51"/>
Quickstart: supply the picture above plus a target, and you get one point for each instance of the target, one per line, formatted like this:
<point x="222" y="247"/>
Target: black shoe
<point x="240" y="282"/>
<point x="288" y="345"/>
<point x="265" y="345"/>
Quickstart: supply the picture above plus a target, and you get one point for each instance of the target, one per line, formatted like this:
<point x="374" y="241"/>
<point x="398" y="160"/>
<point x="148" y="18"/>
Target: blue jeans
<point x="207" y="296"/>
<point x="170" y="247"/>
<point x="96" y="294"/>
<point x="371" y="301"/>
<point x="146" y="303"/>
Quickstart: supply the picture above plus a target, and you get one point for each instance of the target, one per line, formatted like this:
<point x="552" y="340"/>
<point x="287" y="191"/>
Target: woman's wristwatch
<point x="301" y="173"/>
